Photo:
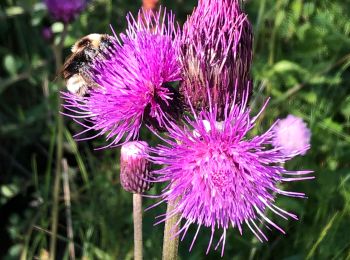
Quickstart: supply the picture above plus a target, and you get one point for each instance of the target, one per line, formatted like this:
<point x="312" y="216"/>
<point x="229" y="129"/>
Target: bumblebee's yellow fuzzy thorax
<point x="93" y="39"/>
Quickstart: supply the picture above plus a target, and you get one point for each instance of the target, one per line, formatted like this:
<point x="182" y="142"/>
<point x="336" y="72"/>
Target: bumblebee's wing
<point x="73" y="64"/>
<point x="85" y="74"/>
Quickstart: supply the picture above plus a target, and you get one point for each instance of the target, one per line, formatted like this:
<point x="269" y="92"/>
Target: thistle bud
<point x="134" y="167"/>
<point x="292" y="136"/>
<point x="216" y="55"/>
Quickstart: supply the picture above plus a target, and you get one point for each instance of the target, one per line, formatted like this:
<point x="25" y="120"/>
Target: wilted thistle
<point x="133" y="80"/>
<point x="134" y="167"/>
<point x="219" y="177"/>
<point x="216" y="51"/>
<point x="292" y="135"/>
<point x="65" y="10"/>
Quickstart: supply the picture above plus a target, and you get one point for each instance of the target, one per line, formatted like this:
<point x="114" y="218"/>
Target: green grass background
<point x="301" y="61"/>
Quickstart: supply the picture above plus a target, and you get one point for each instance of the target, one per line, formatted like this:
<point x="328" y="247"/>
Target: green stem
<point x="272" y="41"/>
<point x="137" y="215"/>
<point x="255" y="248"/>
<point x="57" y="49"/>
<point x="258" y="23"/>
<point x="67" y="200"/>
<point x="171" y="242"/>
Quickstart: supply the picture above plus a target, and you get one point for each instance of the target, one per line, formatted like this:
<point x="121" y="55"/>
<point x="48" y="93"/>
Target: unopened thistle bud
<point x="134" y="167"/>
<point x="292" y="136"/>
<point x="216" y="52"/>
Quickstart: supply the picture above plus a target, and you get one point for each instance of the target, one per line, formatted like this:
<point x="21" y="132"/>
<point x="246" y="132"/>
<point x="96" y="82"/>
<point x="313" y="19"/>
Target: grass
<point x="301" y="61"/>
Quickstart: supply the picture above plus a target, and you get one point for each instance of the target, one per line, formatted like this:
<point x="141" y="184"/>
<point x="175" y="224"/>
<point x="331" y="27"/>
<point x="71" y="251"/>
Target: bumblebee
<point x="75" y="68"/>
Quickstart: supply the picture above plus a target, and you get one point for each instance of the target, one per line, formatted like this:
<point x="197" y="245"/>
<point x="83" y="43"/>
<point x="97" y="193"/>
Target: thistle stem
<point x="57" y="49"/>
<point x="171" y="242"/>
<point x="137" y="215"/>
<point x="67" y="201"/>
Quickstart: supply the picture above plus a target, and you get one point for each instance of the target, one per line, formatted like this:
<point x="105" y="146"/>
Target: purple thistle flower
<point x="218" y="177"/>
<point x="135" y="167"/>
<point x="291" y="135"/>
<point x="216" y="50"/>
<point x="65" y="10"/>
<point x="133" y="80"/>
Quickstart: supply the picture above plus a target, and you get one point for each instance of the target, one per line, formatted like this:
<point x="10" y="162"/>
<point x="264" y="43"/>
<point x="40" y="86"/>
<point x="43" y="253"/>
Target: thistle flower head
<point x="220" y="177"/>
<point x="291" y="135"/>
<point x="65" y="10"/>
<point x="134" y="79"/>
<point x="134" y="167"/>
<point x="216" y="51"/>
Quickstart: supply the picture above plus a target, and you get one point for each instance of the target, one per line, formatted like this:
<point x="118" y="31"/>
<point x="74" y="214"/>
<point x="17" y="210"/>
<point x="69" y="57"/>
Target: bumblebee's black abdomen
<point x="78" y="61"/>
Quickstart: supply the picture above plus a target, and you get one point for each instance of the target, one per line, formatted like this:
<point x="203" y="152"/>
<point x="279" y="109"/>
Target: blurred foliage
<point x="302" y="59"/>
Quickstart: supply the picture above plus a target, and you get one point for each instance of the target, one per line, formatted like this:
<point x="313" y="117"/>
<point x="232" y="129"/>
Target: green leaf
<point x="346" y="108"/>
<point x="10" y="64"/>
<point x="9" y="191"/>
<point x="57" y="27"/>
<point x="332" y="125"/>
<point x="310" y="97"/>
<point x="284" y="66"/>
<point x="14" y="10"/>
<point x="297" y="8"/>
